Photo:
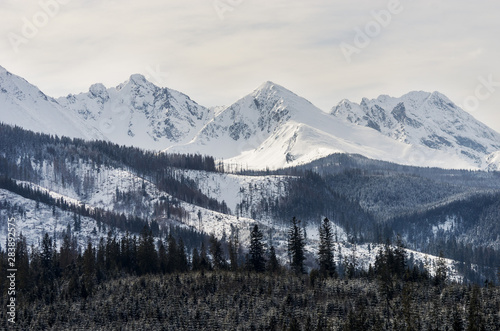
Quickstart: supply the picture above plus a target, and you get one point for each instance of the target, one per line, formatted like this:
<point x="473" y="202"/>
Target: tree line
<point x="139" y="281"/>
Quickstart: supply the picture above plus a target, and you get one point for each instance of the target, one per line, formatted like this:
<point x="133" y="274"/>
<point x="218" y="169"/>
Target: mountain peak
<point x="267" y="84"/>
<point x="99" y="91"/>
<point x="439" y="95"/>
<point x="3" y="70"/>
<point x="97" y="88"/>
<point x="274" y="91"/>
<point x="271" y="86"/>
<point x="424" y="118"/>
<point x="138" y="79"/>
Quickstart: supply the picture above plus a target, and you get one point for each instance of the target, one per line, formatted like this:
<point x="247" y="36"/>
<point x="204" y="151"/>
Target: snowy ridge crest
<point x="426" y="119"/>
<point x="271" y="127"/>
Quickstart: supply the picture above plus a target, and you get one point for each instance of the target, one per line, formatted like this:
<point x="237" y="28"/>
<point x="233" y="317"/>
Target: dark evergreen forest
<point x="137" y="283"/>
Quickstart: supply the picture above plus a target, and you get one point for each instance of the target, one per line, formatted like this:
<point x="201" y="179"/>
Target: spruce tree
<point x="257" y="258"/>
<point x="47" y="258"/>
<point x="296" y="243"/>
<point x="326" y="250"/>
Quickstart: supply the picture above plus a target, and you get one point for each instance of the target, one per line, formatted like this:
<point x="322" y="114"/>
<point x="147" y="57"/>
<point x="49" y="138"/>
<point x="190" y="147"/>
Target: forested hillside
<point x="122" y="189"/>
<point x="131" y="284"/>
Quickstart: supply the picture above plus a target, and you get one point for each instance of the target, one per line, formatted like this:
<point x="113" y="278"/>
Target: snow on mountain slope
<point x="493" y="161"/>
<point x="99" y="191"/>
<point x="23" y="104"/>
<point x="425" y="119"/>
<point x="242" y="194"/>
<point x="273" y="127"/>
<point x="135" y="113"/>
<point x="139" y="113"/>
<point x="242" y="126"/>
<point x="33" y="222"/>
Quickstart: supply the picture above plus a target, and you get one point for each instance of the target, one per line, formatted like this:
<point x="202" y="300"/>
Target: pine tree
<point x="326" y="250"/>
<point x="296" y="244"/>
<point x="47" y="258"/>
<point x="257" y="257"/>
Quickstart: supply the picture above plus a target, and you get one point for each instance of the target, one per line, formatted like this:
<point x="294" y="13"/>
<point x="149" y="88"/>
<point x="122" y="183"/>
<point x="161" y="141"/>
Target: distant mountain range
<point x="271" y="127"/>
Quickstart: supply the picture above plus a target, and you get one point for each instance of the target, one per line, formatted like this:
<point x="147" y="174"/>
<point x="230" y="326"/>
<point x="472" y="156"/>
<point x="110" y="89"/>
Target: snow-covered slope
<point x="33" y="221"/>
<point x="135" y="113"/>
<point x="493" y="161"/>
<point x="24" y="105"/>
<point x="270" y="128"/>
<point x="139" y="113"/>
<point x="273" y="127"/>
<point x="427" y="119"/>
<point x="244" y="195"/>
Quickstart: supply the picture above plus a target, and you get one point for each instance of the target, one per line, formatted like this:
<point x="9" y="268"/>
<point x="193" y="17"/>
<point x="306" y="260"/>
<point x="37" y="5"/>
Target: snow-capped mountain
<point x="23" y="104"/>
<point x="276" y="128"/>
<point x="427" y="119"/>
<point x="139" y="113"/>
<point x="271" y="127"/>
<point x="135" y="113"/>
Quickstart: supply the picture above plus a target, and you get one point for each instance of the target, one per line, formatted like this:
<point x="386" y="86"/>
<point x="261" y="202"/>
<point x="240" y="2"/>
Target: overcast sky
<point x="217" y="51"/>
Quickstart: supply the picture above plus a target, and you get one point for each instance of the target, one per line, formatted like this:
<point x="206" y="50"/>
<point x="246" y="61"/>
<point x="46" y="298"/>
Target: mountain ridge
<point x="137" y="112"/>
<point x="430" y="119"/>
<point x="270" y="127"/>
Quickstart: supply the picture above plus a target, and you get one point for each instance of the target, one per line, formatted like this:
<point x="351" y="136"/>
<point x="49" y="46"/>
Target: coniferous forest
<point x="136" y="283"/>
<point x="151" y="269"/>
